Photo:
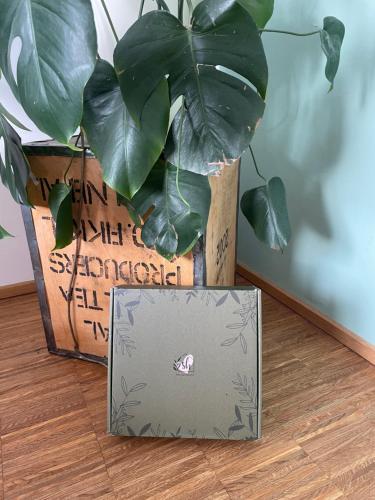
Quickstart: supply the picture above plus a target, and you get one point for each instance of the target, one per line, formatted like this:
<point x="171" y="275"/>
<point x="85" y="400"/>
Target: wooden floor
<point x="319" y="425"/>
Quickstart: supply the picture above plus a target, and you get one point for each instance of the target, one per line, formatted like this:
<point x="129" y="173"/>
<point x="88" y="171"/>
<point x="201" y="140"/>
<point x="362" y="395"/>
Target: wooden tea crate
<point x="111" y="251"/>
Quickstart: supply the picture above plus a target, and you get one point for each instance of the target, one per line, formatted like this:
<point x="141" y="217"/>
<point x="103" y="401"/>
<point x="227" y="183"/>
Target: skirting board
<point x="343" y="335"/>
<point x="339" y="332"/>
<point x="23" y="288"/>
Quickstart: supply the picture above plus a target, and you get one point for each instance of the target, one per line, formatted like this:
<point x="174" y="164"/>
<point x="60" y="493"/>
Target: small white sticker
<point x="185" y="364"/>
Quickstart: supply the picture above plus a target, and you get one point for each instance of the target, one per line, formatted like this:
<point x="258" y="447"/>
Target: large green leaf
<point x="127" y="153"/>
<point x="14" y="167"/>
<point x="60" y="204"/>
<point x="266" y="209"/>
<point x="180" y="203"/>
<point x="260" y="10"/>
<point x="57" y="58"/>
<point x="162" y="5"/>
<point x="12" y="118"/>
<point x="221" y="110"/>
<point x="332" y="37"/>
<point x="223" y="131"/>
<point x="4" y="233"/>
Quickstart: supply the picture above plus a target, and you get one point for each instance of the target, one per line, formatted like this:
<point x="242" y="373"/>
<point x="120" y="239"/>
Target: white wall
<point x="14" y="254"/>
<point x="323" y="146"/>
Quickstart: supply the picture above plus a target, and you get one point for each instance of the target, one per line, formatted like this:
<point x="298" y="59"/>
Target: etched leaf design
<point x="118" y="310"/>
<point x="235" y="296"/>
<point x="124" y="386"/>
<point x="235" y="428"/>
<point x="127" y="417"/>
<point x="144" y="429"/>
<point x="219" y="434"/>
<point x="138" y="387"/>
<point x="251" y="422"/>
<point x="222" y="300"/>
<point x="130" y="431"/>
<point x="229" y="342"/>
<point x="133" y="303"/>
<point x="132" y="403"/>
<point x="131" y="317"/>
<point x="238" y="413"/>
<point x="148" y="297"/>
<point x="235" y="326"/>
<point x="243" y="344"/>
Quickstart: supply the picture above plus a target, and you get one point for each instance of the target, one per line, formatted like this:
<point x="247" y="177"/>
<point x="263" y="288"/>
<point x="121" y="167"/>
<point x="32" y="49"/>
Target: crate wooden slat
<point x="111" y="250"/>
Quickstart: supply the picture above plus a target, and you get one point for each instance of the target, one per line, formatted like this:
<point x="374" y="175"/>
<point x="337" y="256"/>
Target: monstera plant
<point x="207" y="64"/>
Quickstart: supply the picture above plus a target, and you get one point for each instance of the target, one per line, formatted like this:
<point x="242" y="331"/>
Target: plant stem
<point x="181" y="10"/>
<point x="141" y="7"/>
<point x="71" y="159"/>
<point x="73" y="277"/>
<point x="182" y="117"/>
<point x="256" y="165"/>
<point x="291" y="32"/>
<point x="109" y="20"/>
<point x="162" y="5"/>
<point x="190" y="6"/>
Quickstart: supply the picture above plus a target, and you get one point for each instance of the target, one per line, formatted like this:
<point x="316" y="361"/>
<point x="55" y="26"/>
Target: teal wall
<point x="323" y="146"/>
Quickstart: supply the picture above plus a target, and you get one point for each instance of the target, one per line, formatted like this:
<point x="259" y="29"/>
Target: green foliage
<point x="221" y="110"/>
<point x="11" y="118"/>
<point x="127" y="153"/>
<point x="4" y="233"/>
<point x="217" y="65"/>
<point x="56" y="60"/>
<point x="14" y="167"/>
<point x="175" y="224"/>
<point x="332" y="37"/>
<point x="260" y="10"/>
<point x="60" y="204"/>
<point x="266" y="209"/>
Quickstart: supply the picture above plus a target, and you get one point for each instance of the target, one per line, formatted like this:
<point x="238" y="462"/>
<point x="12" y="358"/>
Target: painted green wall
<point x="323" y="146"/>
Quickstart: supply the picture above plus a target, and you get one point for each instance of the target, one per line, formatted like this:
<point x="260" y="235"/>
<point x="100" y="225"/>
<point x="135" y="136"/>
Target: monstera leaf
<point x="162" y="5"/>
<point x="221" y="109"/>
<point x="14" y="167"/>
<point x="223" y="131"/>
<point x="266" y="209"/>
<point x="57" y="58"/>
<point x="60" y="204"/>
<point x="12" y="118"/>
<point x="260" y="10"/>
<point x="127" y="153"/>
<point x="332" y="37"/>
<point x="4" y="233"/>
<point x="180" y="203"/>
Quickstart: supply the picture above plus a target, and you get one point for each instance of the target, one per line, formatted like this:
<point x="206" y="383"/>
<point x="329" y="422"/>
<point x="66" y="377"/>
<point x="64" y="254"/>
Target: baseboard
<point x="339" y="332"/>
<point x="17" y="289"/>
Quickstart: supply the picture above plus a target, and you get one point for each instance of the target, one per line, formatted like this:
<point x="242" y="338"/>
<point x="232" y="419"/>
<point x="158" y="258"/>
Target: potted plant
<point x="211" y="71"/>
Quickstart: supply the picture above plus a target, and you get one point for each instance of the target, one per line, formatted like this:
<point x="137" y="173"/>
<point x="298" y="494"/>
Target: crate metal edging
<point x="42" y="294"/>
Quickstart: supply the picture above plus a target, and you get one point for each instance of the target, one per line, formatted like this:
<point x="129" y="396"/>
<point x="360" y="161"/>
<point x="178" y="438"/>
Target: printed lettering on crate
<point x="185" y="363"/>
<point x="111" y="251"/>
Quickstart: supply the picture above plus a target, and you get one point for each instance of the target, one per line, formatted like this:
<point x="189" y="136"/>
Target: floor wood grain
<point x="319" y="425"/>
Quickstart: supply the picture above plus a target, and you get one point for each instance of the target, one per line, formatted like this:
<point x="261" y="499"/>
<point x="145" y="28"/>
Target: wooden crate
<point x="111" y="251"/>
